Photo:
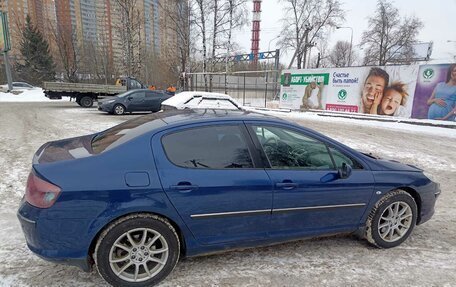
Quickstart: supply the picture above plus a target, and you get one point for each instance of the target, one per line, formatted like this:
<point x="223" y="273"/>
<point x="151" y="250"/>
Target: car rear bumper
<point x="47" y="243"/>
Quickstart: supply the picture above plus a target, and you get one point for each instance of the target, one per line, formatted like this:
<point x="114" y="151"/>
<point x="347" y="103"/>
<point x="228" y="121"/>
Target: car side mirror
<point x="130" y="98"/>
<point x="345" y="171"/>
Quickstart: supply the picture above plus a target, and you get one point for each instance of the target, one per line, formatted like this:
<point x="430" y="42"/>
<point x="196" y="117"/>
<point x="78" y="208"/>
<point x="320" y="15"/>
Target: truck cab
<point x="130" y="82"/>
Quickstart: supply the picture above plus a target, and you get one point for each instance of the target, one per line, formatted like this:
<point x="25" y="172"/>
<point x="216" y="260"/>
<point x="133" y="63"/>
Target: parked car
<point x="201" y="100"/>
<point x="19" y="86"/>
<point x="135" y="198"/>
<point x="139" y="100"/>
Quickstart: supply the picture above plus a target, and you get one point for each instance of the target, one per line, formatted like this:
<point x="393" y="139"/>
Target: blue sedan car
<point x="133" y="199"/>
<point x="140" y="100"/>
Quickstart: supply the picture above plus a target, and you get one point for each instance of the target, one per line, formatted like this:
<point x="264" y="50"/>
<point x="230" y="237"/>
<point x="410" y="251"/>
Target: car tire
<point x="392" y="219"/>
<point x="86" y="102"/>
<point x="130" y="246"/>
<point x="118" y="109"/>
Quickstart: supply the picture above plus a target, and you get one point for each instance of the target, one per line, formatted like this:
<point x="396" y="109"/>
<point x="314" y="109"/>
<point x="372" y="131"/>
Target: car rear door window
<point x="287" y="149"/>
<point x="212" y="147"/>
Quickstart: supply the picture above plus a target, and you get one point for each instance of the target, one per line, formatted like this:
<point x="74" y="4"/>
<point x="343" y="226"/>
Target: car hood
<point x="105" y="100"/>
<point x="389" y="164"/>
<point x="65" y="149"/>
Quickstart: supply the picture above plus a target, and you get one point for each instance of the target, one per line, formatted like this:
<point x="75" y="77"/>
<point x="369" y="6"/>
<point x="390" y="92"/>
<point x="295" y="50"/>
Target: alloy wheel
<point x="395" y="221"/>
<point x="138" y="254"/>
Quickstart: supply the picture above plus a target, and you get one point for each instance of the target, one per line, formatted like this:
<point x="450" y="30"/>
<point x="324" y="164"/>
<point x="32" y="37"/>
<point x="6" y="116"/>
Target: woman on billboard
<point x="443" y="98"/>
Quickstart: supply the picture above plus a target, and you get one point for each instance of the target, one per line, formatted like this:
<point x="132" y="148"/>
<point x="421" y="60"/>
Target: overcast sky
<point x="438" y="16"/>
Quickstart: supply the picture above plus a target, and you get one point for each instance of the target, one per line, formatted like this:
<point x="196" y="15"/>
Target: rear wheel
<point x="86" y="102"/>
<point x="138" y="250"/>
<point x="392" y="219"/>
<point x="118" y="109"/>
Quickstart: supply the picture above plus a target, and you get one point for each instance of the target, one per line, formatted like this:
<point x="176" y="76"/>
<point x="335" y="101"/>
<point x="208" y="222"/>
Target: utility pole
<point x="8" y="71"/>
<point x="6" y="46"/>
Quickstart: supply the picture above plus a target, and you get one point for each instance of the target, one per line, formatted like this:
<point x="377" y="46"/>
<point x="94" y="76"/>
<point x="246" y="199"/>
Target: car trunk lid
<point x="66" y="149"/>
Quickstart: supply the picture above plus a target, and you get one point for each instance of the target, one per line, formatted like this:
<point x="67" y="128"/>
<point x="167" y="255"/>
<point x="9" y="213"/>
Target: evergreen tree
<point x="37" y="64"/>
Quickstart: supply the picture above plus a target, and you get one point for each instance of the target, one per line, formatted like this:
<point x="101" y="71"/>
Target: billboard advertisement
<point x="370" y="90"/>
<point x="435" y="94"/>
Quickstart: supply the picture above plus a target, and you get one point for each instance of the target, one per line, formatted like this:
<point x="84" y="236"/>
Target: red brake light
<point x="39" y="192"/>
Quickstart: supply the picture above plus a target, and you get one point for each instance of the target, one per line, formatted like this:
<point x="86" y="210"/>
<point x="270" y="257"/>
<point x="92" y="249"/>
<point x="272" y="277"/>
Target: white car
<point x="19" y="86"/>
<point x="200" y="100"/>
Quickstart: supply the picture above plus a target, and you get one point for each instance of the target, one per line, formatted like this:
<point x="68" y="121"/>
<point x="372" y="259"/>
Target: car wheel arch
<point x="394" y="196"/>
<point x="124" y="216"/>
<point x="416" y="196"/>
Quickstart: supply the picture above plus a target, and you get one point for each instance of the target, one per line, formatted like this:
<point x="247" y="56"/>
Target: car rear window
<point x="213" y="147"/>
<point x="125" y="132"/>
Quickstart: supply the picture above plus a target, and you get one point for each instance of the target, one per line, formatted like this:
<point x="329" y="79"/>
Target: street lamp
<point x="269" y="45"/>
<point x="351" y="42"/>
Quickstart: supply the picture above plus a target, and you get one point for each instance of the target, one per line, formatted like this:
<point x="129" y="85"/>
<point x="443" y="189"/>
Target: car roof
<point x="202" y="115"/>
<point x="156" y="122"/>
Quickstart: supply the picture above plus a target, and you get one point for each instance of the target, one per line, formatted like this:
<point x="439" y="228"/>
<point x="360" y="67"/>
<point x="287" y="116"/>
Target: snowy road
<point x="427" y="258"/>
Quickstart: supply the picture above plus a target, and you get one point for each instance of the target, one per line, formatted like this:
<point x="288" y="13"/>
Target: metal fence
<point x="251" y="88"/>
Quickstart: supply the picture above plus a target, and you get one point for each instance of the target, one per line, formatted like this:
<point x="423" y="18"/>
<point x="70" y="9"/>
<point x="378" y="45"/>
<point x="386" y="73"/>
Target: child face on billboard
<point x="373" y="86"/>
<point x="390" y="102"/>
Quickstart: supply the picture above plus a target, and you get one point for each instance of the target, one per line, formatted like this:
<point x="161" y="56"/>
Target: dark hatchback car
<point x="140" y="100"/>
<point x="134" y="198"/>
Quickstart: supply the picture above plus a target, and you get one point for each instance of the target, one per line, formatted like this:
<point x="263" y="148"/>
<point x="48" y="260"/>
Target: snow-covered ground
<point x="427" y="258"/>
<point x="32" y="95"/>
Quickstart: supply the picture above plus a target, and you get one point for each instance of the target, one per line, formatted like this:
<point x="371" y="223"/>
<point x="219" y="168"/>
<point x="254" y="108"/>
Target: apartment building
<point x="92" y="23"/>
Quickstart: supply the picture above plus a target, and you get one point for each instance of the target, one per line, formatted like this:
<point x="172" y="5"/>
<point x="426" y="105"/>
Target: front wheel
<point x="118" y="109"/>
<point x="392" y="220"/>
<point x="138" y="250"/>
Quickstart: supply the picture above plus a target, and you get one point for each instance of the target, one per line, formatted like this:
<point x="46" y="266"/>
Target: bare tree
<point x="389" y="38"/>
<point x="228" y="15"/>
<point x="200" y="23"/>
<point x="129" y="32"/>
<point x="320" y="59"/>
<point x="68" y="51"/>
<point x="178" y="14"/>
<point x="237" y="18"/>
<point x="342" y="55"/>
<point x="306" y="21"/>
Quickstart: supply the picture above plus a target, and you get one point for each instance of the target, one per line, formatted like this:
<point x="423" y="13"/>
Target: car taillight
<point x="39" y="192"/>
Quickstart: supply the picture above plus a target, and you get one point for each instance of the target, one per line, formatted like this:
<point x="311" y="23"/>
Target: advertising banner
<point x="370" y="90"/>
<point x="435" y="94"/>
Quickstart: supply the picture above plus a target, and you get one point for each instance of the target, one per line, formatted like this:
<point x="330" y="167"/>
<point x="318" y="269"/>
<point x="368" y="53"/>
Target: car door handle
<point x="286" y="185"/>
<point x="184" y="187"/>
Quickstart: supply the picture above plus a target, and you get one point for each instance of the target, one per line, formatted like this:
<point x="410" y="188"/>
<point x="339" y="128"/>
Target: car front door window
<point x="287" y="149"/>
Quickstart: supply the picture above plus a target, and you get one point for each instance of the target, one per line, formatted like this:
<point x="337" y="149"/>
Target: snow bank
<point x="32" y="95"/>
